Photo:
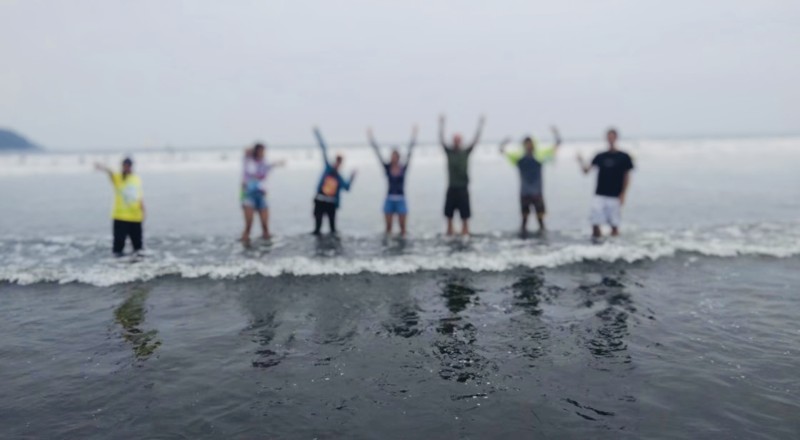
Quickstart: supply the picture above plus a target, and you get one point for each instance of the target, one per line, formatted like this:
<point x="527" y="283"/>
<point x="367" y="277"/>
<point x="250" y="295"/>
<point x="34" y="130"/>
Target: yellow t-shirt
<point x="127" y="198"/>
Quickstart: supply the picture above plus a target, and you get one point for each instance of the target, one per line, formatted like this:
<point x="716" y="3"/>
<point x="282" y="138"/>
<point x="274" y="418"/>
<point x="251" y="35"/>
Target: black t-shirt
<point x="612" y="167"/>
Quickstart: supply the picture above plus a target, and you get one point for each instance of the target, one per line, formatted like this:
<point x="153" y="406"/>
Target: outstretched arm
<point x="374" y="145"/>
<point x="100" y="167"/>
<point x="477" y="138"/>
<point x="411" y="144"/>
<point x="441" y="132"/>
<point x="322" y="145"/>
<point x="584" y="166"/>
<point x="278" y="163"/>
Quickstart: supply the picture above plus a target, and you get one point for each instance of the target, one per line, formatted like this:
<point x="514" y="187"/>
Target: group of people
<point x="613" y="179"/>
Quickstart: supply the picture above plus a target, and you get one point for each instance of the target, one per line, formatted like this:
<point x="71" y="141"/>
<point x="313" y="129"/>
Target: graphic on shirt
<point x="130" y="194"/>
<point x="330" y="185"/>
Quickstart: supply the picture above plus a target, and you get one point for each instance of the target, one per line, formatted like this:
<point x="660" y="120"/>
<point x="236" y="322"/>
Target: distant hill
<point x="12" y="141"/>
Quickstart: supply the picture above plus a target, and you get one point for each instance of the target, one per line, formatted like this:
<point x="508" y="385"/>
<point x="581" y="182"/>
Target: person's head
<point x="611" y="136"/>
<point x="528" y="144"/>
<point x="127" y="165"/>
<point x="395" y="158"/>
<point x="337" y="163"/>
<point x="457" y="141"/>
<point x="258" y="151"/>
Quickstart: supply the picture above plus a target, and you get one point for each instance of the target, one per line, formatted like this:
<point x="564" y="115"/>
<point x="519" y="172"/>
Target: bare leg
<point x="264" y="216"/>
<point x="450" y="226"/>
<point x="464" y="227"/>
<point x="248" y="223"/>
<point x="524" y="229"/>
<point x="614" y="231"/>
<point x="402" y="220"/>
<point x="540" y="219"/>
<point x="596" y="233"/>
<point x="388" y="218"/>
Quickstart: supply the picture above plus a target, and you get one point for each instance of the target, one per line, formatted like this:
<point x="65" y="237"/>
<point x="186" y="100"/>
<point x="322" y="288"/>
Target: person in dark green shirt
<point x="457" y="198"/>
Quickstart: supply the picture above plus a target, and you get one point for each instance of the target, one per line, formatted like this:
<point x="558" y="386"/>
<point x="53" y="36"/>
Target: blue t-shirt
<point x="396" y="181"/>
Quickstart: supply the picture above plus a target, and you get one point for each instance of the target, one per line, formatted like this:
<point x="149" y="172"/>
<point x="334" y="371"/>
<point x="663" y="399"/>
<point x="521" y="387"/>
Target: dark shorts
<point x="536" y="200"/>
<point x="457" y="200"/>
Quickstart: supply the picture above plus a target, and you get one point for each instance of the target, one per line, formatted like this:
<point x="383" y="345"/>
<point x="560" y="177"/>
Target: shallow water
<point x="684" y="327"/>
<point x="592" y="350"/>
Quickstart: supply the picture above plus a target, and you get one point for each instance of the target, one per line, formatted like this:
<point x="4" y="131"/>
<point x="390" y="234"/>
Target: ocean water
<point x="685" y="326"/>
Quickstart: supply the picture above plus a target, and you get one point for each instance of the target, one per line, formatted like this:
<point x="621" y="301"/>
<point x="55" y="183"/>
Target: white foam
<point x="66" y="263"/>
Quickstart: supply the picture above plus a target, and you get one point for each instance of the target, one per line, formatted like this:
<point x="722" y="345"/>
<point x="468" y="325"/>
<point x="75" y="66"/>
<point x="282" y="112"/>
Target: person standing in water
<point x="255" y="170"/>
<point x="128" y="211"/>
<point x="326" y="202"/>
<point x="395" y="204"/>
<point x="613" y="179"/>
<point x="457" y="198"/>
<point x="529" y="161"/>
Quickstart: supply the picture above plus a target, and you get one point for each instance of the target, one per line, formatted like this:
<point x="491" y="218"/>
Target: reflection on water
<point x="328" y="246"/>
<point x="455" y="348"/>
<point x="610" y="337"/>
<point x="404" y="320"/>
<point x="530" y="291"/>
<point x="130" y="315"/>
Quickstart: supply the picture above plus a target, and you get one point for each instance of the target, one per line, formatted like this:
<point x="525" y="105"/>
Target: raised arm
<point x="411" y="144"/>
<point x="502" y="146"/>
<point x="477" y="138"/>
<point x="556" y="136"/>
<point x="322" y="145"/>
<point x="374" y="144"/>
<point x="441" y="133"/>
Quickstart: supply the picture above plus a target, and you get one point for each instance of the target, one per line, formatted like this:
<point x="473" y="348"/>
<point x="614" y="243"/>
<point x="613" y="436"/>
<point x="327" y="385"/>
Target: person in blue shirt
<point x="395" y="204"/>
<point x="326" y="202"/>
<point x="529" y="160"/>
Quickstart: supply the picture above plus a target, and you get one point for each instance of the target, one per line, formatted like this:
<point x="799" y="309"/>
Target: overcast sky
<point x="146" y="73"/>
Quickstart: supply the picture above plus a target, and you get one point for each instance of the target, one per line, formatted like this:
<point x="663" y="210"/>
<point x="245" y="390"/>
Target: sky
<point x="107" y="74"/>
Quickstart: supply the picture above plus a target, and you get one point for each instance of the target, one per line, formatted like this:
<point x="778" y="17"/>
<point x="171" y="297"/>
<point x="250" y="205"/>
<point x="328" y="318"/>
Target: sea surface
<point x="684" y="327"/>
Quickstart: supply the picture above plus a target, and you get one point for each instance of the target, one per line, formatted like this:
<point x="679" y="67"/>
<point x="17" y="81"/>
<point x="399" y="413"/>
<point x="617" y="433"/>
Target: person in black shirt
<point x="613" y="178"/>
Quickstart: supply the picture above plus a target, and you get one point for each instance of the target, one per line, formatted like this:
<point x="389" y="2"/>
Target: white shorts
<point x="606" y="210"/>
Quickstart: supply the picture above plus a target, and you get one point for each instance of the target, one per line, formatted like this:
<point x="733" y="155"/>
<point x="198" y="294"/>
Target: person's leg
<point x="597" y="216"/>
<point x="388" y="219"/>
<point x="524" y="204"/>
<point x="318" y="212"/>
<point x="332" y="218"/>
<point x="538" y="204"/>
<point x="264" y="217"/>
<point x="450" y="209"/>
<point x="401" y="211"/>
<point x="614" y="215"/>
<point x="465" y="211"/>
<point x="136" y="236"/>
<point x="118" y="228"/>
<point x="248" y="222"/>
<point x="388" y="210"/>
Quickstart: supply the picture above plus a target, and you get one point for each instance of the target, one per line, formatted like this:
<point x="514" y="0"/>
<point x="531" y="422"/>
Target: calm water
<point x="685" y="327"/>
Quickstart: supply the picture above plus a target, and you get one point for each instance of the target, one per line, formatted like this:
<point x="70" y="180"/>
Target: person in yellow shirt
<point x="128" y="210"/>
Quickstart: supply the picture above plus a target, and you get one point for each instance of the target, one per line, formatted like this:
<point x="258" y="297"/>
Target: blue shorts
<point x="254" y="199"/>
<point x="395" y="206"/>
